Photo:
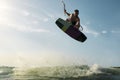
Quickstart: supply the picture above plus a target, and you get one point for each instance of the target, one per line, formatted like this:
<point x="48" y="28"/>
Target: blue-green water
<point x="60" y="73"/>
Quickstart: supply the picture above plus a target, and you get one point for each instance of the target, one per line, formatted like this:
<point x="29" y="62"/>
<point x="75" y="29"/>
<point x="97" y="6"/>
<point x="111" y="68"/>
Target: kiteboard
<point x="69" y="29"/>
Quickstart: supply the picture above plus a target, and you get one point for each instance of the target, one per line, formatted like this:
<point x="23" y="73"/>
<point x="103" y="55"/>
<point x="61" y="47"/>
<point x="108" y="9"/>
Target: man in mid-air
<point x="73" y="18"/>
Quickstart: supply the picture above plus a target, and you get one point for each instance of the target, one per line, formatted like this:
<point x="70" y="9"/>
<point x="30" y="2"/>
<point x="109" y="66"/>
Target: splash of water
<point x="94" y="69"/>
<point x="60" y="72"/>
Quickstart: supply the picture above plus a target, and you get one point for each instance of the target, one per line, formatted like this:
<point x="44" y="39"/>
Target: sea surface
<point x="82" y="72"/>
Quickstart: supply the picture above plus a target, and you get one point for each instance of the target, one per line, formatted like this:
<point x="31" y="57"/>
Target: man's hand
<point x="76" y="26"/>
<point x="65" y="11"/>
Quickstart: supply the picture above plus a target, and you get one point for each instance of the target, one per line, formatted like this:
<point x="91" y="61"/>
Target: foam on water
<point x="83" y="72"/>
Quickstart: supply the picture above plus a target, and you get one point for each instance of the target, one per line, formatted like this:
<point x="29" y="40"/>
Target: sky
<point x="30" y="37"/>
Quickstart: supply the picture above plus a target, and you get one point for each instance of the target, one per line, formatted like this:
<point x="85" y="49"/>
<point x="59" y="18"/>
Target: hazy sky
<point x="29" y="35"/>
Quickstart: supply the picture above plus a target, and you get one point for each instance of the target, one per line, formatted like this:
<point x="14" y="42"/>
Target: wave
<point x="83" y="72"/>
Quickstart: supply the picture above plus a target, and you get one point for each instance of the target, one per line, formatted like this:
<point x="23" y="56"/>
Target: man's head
<point x="76" y="12"/>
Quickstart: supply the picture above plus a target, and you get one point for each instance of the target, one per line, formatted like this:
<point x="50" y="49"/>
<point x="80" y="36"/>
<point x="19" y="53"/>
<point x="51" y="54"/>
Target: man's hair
<point x="76" y="10"/>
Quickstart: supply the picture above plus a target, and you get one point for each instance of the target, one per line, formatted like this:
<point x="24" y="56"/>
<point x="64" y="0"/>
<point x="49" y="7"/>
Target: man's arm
<point x="77" y="25"/>
<point x="66" y="12"/>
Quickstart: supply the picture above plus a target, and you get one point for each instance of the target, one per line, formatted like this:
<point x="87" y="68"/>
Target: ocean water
<point x="83" y="72"/>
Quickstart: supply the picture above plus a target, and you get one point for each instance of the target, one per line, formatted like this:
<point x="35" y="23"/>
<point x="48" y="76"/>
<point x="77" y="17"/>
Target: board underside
<point x="70" y="30"/>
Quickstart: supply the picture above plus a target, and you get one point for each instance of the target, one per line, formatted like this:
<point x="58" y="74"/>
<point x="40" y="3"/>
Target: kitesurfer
<point x="73" y="18"/>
